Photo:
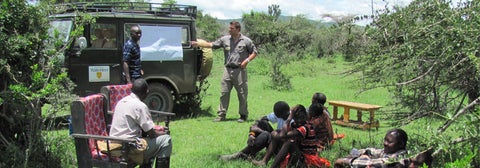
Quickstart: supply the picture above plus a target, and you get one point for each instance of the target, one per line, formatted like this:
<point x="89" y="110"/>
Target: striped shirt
<point x="378" y="159"/>
<point x="131" y="55"/>
<point x="309" y="143"/>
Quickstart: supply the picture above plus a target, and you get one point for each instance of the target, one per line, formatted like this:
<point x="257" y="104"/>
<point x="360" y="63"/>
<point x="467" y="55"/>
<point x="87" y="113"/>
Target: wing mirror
<point x="81" y="43"/>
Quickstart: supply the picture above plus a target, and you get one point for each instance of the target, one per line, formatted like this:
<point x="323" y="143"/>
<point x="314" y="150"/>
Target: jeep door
<point x="99" y="63"/>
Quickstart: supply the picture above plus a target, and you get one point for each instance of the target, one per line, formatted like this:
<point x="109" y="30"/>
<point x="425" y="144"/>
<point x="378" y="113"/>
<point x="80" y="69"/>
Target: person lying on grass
<point x="393" y="154"/>
<point x="260" y="132"/>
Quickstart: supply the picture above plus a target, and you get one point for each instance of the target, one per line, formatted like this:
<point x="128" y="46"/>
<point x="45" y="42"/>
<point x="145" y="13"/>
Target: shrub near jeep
<point x="171" y="65"/>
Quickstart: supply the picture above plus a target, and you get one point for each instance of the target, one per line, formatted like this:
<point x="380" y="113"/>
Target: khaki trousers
<point x="236" y="78"/>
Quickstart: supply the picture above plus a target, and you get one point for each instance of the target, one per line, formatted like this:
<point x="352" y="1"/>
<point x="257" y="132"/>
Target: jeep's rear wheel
<point x="159" y="98"/>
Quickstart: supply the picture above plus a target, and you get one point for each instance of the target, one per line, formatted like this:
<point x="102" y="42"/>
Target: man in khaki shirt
<point x="238" y="50"/>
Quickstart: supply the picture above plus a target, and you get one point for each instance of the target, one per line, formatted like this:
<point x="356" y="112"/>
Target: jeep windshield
<point x="60" y="29"/>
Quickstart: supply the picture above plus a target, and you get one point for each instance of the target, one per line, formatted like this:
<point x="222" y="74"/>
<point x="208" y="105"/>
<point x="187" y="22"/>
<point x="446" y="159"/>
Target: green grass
<point x="197" y="142"/>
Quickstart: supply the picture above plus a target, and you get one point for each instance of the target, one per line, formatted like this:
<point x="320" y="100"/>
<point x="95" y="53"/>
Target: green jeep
<point x="170" y="64"/>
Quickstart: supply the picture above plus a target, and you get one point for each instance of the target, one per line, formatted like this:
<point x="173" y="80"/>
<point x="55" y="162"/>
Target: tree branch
<point x="461" y="112"/>
<point x="418" y="77"/>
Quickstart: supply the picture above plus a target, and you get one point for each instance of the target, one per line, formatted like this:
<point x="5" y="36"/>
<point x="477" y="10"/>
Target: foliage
<point x="462" y="162"/>
<point x="326" y="41"/>
<point x="260" y="27"/>
<point x="32" y="75"/>
<point x="353" y="43"/>
<point x="171" y="2"/>
<point x="189" y="105"/>
<point x="207" y="27"/>
<point x="423" y="47"/>
<point x="344" y="37"/>
<point x="73" y="1"/>
<point x="279" y="58"/>
<point x="280" y="41"/>
<point x="264" y="30"/>
<point x="425" y="54"/>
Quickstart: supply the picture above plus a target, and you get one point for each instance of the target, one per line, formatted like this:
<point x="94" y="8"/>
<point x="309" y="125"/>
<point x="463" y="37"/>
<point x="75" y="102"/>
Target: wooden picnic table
<point x="345" y="119"/>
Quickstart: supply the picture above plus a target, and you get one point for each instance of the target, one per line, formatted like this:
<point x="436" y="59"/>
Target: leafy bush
<point x="31" y="76"/>
<point x="189" y="105"/>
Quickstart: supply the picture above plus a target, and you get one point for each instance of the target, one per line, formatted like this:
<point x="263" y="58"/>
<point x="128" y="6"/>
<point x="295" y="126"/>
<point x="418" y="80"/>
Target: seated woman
<point x="392" y="155"/>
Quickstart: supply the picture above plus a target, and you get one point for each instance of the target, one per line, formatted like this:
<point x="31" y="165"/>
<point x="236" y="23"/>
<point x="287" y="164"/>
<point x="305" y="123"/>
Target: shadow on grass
<point x="188" y="111"/>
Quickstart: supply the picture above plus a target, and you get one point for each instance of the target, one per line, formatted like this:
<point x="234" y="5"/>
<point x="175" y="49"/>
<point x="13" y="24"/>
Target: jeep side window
<point x="103" y="35"/>
<point x="160" y="42"/>
<point x="185" y="36"/>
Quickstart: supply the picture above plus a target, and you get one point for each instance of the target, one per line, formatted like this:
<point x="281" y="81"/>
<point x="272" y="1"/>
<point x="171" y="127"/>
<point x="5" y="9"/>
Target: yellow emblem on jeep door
<point x="99" y="75"/>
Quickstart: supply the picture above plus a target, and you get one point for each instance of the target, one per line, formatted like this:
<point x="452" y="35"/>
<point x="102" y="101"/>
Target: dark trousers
<point x="261" y="141"/>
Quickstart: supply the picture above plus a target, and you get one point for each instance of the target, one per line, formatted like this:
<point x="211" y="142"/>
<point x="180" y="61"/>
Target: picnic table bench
<point x="345" y="118"/>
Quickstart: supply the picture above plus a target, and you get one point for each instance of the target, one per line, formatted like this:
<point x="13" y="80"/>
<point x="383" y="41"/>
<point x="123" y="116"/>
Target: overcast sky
<point x="312" y="9"/>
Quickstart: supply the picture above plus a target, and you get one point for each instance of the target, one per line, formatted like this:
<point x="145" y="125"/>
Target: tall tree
<point x="427" y="52"/>
<point x="427" y="55"/>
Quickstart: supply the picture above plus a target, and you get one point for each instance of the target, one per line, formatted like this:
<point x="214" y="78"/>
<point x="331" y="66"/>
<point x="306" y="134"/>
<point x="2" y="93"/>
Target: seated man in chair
<point x="132" y="117"/>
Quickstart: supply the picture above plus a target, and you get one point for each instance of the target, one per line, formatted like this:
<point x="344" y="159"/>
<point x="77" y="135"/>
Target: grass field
<point x="197" y="142"/>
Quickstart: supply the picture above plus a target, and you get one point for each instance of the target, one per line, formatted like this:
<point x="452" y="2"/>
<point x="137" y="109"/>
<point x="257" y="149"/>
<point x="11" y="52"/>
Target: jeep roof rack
<point x="158" y="9"/>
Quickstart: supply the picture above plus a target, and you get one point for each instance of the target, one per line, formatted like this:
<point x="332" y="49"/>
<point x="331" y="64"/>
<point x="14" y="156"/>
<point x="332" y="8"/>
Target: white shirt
<point x="130" y="118"/>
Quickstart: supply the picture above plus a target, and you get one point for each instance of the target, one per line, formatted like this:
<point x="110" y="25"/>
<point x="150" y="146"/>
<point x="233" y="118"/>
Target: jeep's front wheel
<point x="159" y="98"/>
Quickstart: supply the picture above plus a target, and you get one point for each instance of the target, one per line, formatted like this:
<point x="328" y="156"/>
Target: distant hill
<point x="282" y="18"/>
